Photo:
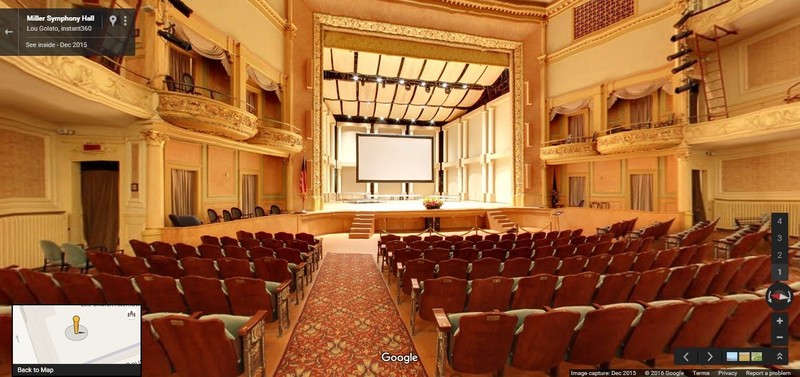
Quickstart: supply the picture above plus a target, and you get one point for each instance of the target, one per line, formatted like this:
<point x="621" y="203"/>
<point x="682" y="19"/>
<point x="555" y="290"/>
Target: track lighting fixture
<point x="690" y="85"/>
<point x="401" y="82"/>
<point x="355" y="77"/>
<point x="447" y="90"/>
<point x="680" y="53"/>
<point x="685" y="17"/>
<point x="427" y="89"/>
<point x="685" y="65"/>
<point x="408" y="86"/>
<point x="681" y="35"/>
<point x="169" y="35"/>
<point x="180" y="6"/>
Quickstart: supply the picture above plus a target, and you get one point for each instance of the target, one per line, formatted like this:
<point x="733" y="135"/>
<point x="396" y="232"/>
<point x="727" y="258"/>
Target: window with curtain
<point x="179" y="63"/>
<point x="252" y="102"/>
<point x="575" y="125"/>
<point x="577" y="191"/>
<point x="642" y="192"/>
<point x="249" y="193"/>
<point x="184" y="192"/>
<point x="641" y="110"/>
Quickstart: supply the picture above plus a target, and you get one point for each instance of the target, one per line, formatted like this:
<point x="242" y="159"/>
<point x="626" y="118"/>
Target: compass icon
<point x="779" y="296"/>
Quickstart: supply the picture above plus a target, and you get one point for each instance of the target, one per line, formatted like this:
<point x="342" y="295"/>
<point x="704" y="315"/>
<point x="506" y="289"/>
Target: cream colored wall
<point x="758" y="69"/>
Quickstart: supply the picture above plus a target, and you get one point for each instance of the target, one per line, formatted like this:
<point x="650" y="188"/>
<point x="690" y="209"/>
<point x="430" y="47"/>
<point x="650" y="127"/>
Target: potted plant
<point x="432" y="202"/>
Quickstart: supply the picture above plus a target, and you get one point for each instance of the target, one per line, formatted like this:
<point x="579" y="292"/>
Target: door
<point x="100" y="203"/>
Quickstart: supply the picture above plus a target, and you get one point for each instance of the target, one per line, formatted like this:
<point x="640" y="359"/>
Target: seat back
<point x="290" y="255"/>
<point x="484" y="268"/>
<point x="247" y="296"/>
<point x="419" y="245"/>
<point x="118" y="290"/>
<point x="233" y="268"/>
<point x="602" y="332"/>
<point x="647" y="244"/>
<point x="261" y="236"/>
<point x="447" y="293"/>
<point x="543" y="252"/>
<point x="702" y="279"/>
<point x="162" y="248"/>
<point x="157" y="361"/>
<point x="103" y="262"/>
<point x="160" y="294"/>
<point x="75" y="256"/>
<point x="272" y="243"/>
<point x="274" y="210"/>
<point x="463" y="244"/>
<point x="205" y="295"/>
<point x="259" y="252"/>
<point x="52" y="252"/>
<point x="598" y="263"/>
<point x="584" y="249"/>
<point x="200" y="267"/>
<point x="543" y="340"/>
<point x="210" y="240"/>
<point x="495" y="253"/>
<point x="615" y="288"/>
<point x="243" y="234"/>
<point x="238" y="252"/>
<point x="520" y="252"/>
<point x="677" y="282"/>
<point x="140" y="248"/>
<point x="685" y="254"/>
<point x="43" y="287"/>
<point x="565" y="251"/>
<point x="79" y="289"/>
<point x="228" y="241"/>
<point x="165" y="266"/>
<point x="644" y="261"/>
<point x="437" y="254"/>
<point x="284" y="236"/>
<point x="210" y="251"/>
<point x="621" y="263"/>
<point x="227" y="215"/>
<point x="433" y="238"/>
<point x="456" y="268"/>
<point x="236" y="213"/>
<point x="420" y="269"/>
<point x="705" y="320"/>
<point x="180" y="337"/>
<point x="131" y="266"/>
<point x="664" y="258"/>
<point x="516" y="267"/>
<point x="648" y="285"/>
<point x="576" y="289"/>
<point x="307" y="237"/>
<point x="473" y="238"/>
<point x="259" y="211"/>
<point x="572" y="265"/>
<point x="656" y="327"/>
<point x="601" y="248"/>
<point x="751" y="312"/>
<point x="745" y="273"/>
<point x="483" y="342"/>
<point x="249" y="243"/>
<point x="442" y="244"/>
<point x="490" y="294"/>
<point x="468" y="254"/>
<point x="272" y="269"/>
<point x="504" y="244"/>
<point x="526" y="243"/>
<point x="546" y="265"/>
<point x="454" y="238"/>
<point x="534" y="292"/>
<point x="725" y="275"/>
<point x="13" y="286"/>
<point x="183" y="250"/>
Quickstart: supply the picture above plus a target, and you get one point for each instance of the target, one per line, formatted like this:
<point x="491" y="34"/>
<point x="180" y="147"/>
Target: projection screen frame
<point x="433" y="161"/>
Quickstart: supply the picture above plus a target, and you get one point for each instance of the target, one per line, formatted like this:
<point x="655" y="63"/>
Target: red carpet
<point x="347" y="323"/>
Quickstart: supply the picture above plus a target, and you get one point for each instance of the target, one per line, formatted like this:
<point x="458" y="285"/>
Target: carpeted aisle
<point x="347" y="323"/>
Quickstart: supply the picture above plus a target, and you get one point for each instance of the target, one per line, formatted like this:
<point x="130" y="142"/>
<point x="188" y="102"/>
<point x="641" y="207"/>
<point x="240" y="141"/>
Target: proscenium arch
<point x="325" y="22"/>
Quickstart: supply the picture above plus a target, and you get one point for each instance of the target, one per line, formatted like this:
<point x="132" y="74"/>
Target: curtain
<point x="100" y="202"/>
<point x="204" y="46"/>
<point x="263" y="81"/>
<point x="642" y="192"/>
<point x="637" y="91"/>
<point x="698" y="207"/>
<point x="577" y="191"/>
<point x="249" y="193"/>
<point x="183" y="192"/>
<point x="179" y="64"/>
<point x="570" y="108"/>
<point x="575" y="126"/>
<point x="641" y="110"/>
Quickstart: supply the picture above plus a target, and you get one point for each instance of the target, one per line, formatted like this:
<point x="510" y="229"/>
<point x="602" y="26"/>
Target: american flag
<point x="303" y="184"/>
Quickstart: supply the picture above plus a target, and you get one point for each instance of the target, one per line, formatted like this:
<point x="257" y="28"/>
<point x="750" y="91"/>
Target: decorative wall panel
<point x="774" y="59"/>
<point x="596" y="15"/>
<point x="766" y="173"/>
<point x="24" y="160"/>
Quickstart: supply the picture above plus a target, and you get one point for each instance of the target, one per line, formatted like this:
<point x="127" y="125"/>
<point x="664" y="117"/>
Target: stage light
<point x="686" y="16"/>
<point x="444" y="85"/>
<point x="447" y="90"/>
<point x="180" y="6"/>
<point x="379" y="79"/>
<point x="427" y="89"/>
<point x="681" y="35"/>
<point x="401" y="82"/>
<point x="408" y="86"/>
<point x="355" y="77"/>
<point x="432" y="121"/>
<point x="464" y="86"/>
<point x="692" y="84"/>
<point x="349" y="117"/>
<point x="683" y="66"/>
<point x="423" y="84"/>
<point x="679" y="54"/>
<point x="170" y="37"/>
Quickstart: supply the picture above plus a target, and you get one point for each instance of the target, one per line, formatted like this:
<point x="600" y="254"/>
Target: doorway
<point x="100" y="203"/>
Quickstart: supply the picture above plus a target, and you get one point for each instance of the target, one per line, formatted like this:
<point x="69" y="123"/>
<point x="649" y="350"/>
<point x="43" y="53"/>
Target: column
<point x="292" y="184"/>
<point x="409" y="187"/>
<point x="490" y="195"/>
<point x="154" y="183"/>
<point x="684" y="158"/>
<point x="485" y="154"/>
<point x="462" y="167"/>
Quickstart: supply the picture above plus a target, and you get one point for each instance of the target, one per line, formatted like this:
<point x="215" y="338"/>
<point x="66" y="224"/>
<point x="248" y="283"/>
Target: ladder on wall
<point x="113" y="63"/>
<point x="710" y="61"/>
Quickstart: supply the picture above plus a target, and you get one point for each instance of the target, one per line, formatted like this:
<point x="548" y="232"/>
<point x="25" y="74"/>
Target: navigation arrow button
<point x="9" y="32"/>
<point x="686" y="357"/>
<point x="710" y="357"/>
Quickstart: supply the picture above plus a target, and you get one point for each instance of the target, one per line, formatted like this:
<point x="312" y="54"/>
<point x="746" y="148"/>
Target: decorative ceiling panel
<point x="368" y="63"/>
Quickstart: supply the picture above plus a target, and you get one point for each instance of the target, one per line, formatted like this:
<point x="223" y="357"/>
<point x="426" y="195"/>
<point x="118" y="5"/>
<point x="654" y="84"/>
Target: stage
<point x="407" y="205"/>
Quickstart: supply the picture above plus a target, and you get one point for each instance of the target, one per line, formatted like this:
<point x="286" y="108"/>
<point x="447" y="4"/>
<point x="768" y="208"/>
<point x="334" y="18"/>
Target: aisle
<point x="347" y="323"/>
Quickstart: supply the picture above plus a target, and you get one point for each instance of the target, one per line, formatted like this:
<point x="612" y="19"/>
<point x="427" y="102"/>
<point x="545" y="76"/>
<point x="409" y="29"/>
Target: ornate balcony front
<point x="280" y="136"/>
<point x="206" y="115"/>
<point x="780" y="122"/>
<point x="568" y="148"/>
<point x="645" y="139"/>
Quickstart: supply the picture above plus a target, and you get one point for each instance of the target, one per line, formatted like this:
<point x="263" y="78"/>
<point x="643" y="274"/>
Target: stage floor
<point x="406" y="205"/>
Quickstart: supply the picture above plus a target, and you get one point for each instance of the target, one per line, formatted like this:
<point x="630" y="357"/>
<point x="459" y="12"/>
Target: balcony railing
<point x="206" y="115"/>
<point x="568" y="148"/>
<point x="640" y="139"/>
<point x="274" y="123"/>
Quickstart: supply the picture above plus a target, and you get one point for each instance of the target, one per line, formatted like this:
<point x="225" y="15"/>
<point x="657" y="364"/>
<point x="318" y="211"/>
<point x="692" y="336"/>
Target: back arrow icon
<point x="9" y="32"/>
<point x="685" y="357"/>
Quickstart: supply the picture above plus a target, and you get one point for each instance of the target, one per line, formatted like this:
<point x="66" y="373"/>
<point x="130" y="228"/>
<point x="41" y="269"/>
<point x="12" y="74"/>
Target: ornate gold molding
<point x="640" y="140"/>
<point x="613" y="32"/>
<point x="323" y="22"/>
<point x="774" y="119"/>
<point x="154" y="138"/>
<point x="533" y="10"/>
<point x="90" y="80"/>
<point x="567" y="151"/>
<point x="287" y="141"/>
<point x="201" y="114"/>
<point x="724" y="14"/>
<point x="271" y="14"/>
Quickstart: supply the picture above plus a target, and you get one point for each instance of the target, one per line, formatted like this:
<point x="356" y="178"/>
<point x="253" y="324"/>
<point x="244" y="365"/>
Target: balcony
<point x="642" y="137"/>
<point x="780" y="122"/>
<point x="195" y="112"/>
<point x="568" y="148"/>
<point x="282" y="137"/>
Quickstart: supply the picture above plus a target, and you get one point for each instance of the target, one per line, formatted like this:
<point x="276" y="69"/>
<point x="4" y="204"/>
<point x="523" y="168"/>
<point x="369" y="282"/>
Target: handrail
<point x="192" y="89"/>
<point x="291" y="127"/>
<point x="639" y="126"/>
<point x="569" y="140"/>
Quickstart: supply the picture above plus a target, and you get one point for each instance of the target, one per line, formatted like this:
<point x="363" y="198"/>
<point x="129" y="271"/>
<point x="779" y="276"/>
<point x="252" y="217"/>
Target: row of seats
<point x="156" y="294"/>
<point x="546" y="290"/>
<point x="539" y="340"/>
<point x="740" y="243"/>
<point x="656" y="230"/>
<point x="618" y="229"/>
<point x="267" y="268"/>
<point x="494" y="237"/>
<point x="692" y="236"/>
<point x="486" y="266"/>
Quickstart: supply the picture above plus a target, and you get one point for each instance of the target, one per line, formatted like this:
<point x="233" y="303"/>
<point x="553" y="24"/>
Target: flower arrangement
<point x="432" y="202"/>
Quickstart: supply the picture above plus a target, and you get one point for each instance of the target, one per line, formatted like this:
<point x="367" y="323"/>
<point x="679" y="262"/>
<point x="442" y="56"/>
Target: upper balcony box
<point x="645" y="138"/>
<point x="281" y="136"/>
<point x="207" y="115"/>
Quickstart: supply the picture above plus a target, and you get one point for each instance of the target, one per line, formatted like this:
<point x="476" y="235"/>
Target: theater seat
<point x="479" y="342"/>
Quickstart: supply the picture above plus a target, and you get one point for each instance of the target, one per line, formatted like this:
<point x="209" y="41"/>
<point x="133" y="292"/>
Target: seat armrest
<point x="257" y="318"/>
<point x="285" y="284"/>
<point x="441" y="320"/>
<point x="301" y="266"/>
<point x="415" y="285"/>
<point x="724" y="242"/>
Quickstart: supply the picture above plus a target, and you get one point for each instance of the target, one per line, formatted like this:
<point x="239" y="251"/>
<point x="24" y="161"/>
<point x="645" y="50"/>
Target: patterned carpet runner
<point x="347" y="323"/>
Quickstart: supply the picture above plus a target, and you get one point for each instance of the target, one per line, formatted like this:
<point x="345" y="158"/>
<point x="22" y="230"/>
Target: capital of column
<point x="542" y="61"/>
<point x="154" y="138"/>
<point x="683" y="155"/>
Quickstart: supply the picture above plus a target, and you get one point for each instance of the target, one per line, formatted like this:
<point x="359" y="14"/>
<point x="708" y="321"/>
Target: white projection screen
<point x="394" y="158"/>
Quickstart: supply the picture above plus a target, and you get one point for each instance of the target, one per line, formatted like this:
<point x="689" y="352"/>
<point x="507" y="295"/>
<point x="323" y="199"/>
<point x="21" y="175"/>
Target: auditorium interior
<point x="413" y="187"/>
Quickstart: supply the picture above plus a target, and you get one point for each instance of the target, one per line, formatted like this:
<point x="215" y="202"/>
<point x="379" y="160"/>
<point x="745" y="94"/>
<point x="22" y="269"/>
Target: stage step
<point x="363" y="225"/>
<point x="499" y="222"/>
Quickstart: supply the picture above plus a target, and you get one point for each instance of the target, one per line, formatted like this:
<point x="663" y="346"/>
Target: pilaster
<point x="154" y="182"/>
